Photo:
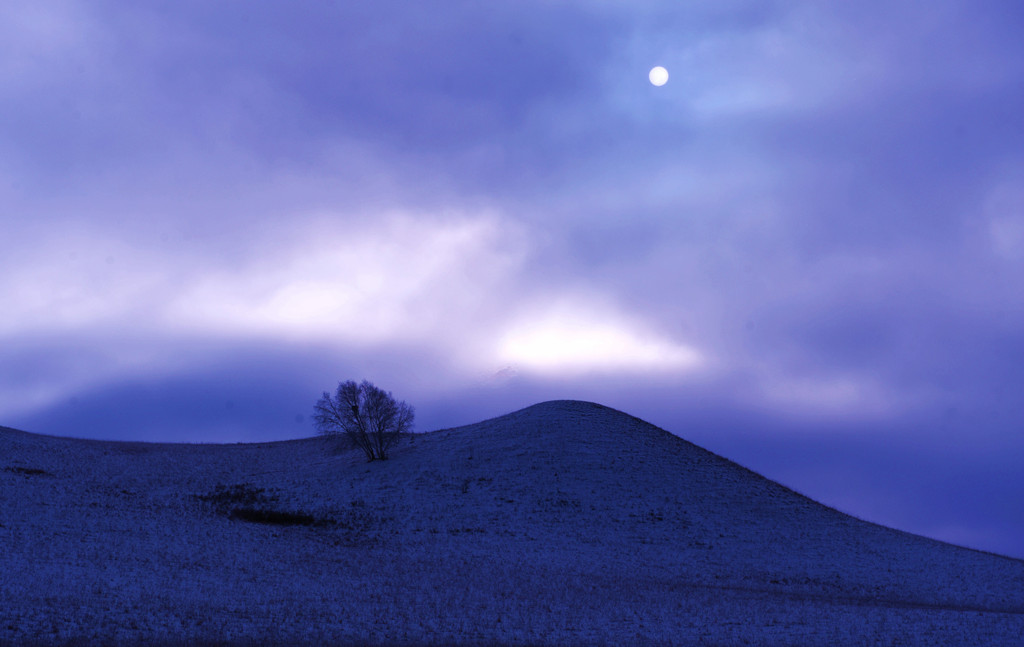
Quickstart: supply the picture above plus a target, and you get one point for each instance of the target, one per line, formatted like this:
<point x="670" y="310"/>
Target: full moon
<point x="658" y="75"/>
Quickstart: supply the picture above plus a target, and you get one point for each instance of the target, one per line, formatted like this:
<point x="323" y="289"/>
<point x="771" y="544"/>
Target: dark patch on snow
<point x="27" y="471"/>
<point x="277" y="517"/>
<point x="246" y="502"/>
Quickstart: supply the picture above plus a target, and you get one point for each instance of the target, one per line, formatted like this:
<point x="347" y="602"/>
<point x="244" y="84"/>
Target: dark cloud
<point x="287" y="87"/>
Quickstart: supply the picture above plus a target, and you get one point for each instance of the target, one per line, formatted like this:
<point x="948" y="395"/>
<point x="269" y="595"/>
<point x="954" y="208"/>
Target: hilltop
<point x="563" y="523"/>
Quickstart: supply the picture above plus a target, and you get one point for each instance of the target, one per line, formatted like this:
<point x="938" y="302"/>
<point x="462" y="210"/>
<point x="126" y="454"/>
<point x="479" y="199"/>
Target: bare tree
<point x="370" y="417"/>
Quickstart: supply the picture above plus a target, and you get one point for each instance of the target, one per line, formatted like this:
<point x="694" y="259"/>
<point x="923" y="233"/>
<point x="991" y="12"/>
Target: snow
<point x="564" y="523"/>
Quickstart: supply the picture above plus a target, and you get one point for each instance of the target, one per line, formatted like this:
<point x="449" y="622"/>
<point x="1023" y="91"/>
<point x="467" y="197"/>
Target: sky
<point x="804" y="252"/>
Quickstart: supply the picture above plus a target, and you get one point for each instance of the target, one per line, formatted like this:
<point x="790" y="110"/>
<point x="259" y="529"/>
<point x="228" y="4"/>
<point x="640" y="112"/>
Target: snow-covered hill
<point x="564" y="523"/>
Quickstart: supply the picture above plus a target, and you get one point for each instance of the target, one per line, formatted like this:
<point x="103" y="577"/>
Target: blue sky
<point x="804" y="252"/>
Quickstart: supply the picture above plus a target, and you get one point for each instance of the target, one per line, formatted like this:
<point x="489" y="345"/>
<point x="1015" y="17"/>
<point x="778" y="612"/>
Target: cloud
<point x="45" y="369"/>
<point x="457" y="291"/>
<point x="392" y="279"/>
<point x="37" y="38"/>
<point x="831" y="395"/>
<point x="71" y="280"/>
<point x="569" y="339"/>
<point x="1004" y="209"/>
<point x="795" y="174"/>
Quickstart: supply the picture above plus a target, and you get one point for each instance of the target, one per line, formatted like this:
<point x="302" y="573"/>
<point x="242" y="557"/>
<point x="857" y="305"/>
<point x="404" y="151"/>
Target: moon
<point x="658" y="76"/>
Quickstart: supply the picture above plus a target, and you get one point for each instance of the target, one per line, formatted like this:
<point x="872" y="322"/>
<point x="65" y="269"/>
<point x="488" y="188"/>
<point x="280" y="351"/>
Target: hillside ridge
<point x="568" y="521"/>
<point x="548" y="426"/>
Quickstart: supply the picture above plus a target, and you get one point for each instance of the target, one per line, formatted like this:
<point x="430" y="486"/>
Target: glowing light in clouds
<point x="572" y="342"/>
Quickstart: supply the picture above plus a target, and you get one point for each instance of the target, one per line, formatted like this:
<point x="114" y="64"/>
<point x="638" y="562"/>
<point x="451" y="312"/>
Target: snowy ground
<point x="564" y="523"/>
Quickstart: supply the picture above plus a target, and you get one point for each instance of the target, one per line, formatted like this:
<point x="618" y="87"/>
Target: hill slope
<point x="566" y="522"/>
